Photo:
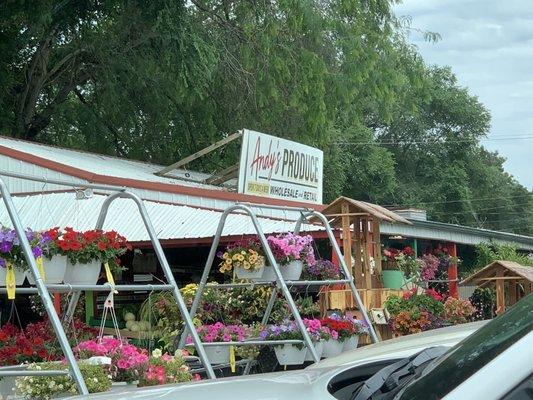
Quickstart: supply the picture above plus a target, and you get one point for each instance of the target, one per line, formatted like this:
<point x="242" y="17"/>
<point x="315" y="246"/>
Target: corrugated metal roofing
<point x="170" y="221"/>
<point x="107" y="165"/>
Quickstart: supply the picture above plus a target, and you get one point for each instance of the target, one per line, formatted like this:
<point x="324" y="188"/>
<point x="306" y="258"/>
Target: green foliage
<point x="159" y="80"/>
<point x="415" y="303"/>
<point x="486" y="253"/>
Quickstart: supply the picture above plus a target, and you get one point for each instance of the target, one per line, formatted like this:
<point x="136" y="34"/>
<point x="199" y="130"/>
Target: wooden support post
<point x="500" y="295"/>
<point x="513" y="292"/>
<point x="358" y="267"/>
<point x="452" y="272"/>
<point x="346" y="235"/>
<point x="366" y="249"/>
<point x="57" y="303"/>
<point x="377" y="244"/>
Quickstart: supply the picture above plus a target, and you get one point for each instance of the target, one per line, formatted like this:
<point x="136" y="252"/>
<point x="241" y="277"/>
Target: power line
<point x="403" y="142"/>
<point x="460" y="201"/>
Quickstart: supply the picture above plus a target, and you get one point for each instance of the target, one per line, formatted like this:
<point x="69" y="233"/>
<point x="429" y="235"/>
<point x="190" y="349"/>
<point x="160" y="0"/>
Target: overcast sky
<point x="489" y="45"/>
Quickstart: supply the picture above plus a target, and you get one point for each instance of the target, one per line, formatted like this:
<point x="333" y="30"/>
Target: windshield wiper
<point x="387" y="379"/>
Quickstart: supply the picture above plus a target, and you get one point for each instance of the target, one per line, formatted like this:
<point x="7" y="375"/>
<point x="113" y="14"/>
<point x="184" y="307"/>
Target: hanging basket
<point x="252" y="274"/>
<point x="351" y="343"/>
<point x="289" y="354"/>
<point x="292" y="271"/>
<point x="20" y="275"/>
<point x="393" y="279"/>
<point x="217" y="354"/>
<point x="82" y="274"/>
<point x="269" y="275"/>
<point x="319" y="348"/>
<point x="54" y="269"/>
<point x="332" y="348"/>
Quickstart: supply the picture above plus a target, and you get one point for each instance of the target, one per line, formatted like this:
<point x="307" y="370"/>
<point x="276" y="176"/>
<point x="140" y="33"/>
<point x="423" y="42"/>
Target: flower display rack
<point x="43" y="290"/>
<point x="280" y="284"/>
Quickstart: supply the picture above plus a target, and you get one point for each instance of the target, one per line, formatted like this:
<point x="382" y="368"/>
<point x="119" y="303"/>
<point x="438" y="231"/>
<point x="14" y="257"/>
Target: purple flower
<point x="5" y="247"/>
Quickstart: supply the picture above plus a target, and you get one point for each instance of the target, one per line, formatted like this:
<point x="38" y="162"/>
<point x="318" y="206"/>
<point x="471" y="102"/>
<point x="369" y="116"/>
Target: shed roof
<point x="171" y="221"/>
<point x="509" y="269"/>
<point x="381" y="213"/>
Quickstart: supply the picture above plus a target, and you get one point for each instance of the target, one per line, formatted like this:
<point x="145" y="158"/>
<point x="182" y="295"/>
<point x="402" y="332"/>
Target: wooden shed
<point x="511" y="280"/>
<point x="359" y="222"/>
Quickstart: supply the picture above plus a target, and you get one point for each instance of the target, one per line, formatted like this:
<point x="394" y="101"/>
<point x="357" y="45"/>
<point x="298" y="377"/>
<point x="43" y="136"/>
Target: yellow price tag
<point x="109" y="275"/>
<point x="10" y="282"/>
<point x="232" y="358"/>
<point x="41" y="268"/>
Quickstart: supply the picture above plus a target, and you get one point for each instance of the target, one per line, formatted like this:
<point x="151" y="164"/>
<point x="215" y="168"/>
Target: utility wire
<point x="440" y="141"/>
<point x="459" y="201"/>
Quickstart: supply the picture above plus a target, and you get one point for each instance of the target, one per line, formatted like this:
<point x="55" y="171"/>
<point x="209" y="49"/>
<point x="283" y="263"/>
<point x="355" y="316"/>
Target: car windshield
<point x="467" y="357"/>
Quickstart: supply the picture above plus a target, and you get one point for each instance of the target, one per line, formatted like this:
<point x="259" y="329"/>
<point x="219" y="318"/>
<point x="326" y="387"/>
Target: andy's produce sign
<point x="281" y="169"/>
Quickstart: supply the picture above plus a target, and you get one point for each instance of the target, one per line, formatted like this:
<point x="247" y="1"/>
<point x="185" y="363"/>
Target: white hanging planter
<point x="332" y="348"/>
<point x="252" y="274"/>
<point x="289" y="354"/>
<point x="7" y="387"/>
<point x="269" y="275"/>
<point x="82" y="274"/>
<point x="20" y="275"/>
<point x="54" y="269"/>
<point x="217" y="354"/>
<point x="123" y="386"/>
<point x="292" y="271"/>
<point x="319" y="349"/>
<point x="351" y="343"/>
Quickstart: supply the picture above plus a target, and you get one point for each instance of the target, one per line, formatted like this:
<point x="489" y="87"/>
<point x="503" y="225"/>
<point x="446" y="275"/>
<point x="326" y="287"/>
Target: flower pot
<point x="269" y="275"/>
<point x="54" y="270"/>
<point x="7" y="387"/>
<point x="252" y="274"/>
<point x="82" y="274"/>
<point x="20" y="275"/>
<point x="289" y="354"/>
<point x="319" y="348"/>
<point x="123" y="386"/>
<point x="392" y="279"/>
<point x="217" y="354"/>
<point x="351" y="343"/>
<point x="292" y="271"/>
<point x="332" y="348"/>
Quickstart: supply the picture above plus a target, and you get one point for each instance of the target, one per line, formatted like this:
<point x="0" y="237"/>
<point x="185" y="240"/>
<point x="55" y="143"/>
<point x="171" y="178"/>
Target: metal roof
<point x="170" y="221"/>
<point x="108" y="165"/>
<point x="507" y="268"/>
<point x="455" y="233"/>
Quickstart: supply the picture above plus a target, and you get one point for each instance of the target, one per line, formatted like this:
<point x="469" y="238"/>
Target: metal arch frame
<point x="346" y="271"/>
<point x="41" y="288"/>
<point x="281" y="284"/>
<point x="270" y="257"/>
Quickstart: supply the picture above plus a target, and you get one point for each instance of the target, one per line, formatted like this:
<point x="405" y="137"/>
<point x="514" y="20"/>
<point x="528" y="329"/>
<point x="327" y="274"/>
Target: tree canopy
<point x="159" y="80"/>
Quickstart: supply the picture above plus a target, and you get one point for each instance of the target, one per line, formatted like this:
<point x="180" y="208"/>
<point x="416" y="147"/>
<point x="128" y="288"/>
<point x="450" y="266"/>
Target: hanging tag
<point x="41" y="268"/>
<point x="10" y="282"/>
<point x="232" y="358"/>
<point x="109" y="276"/>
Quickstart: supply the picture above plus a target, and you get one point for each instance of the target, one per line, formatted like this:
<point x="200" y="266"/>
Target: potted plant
<point x="351" y="339"/>
<point x="399" y="267"/>
<point x="291" y="252"/>
<point x="12" y="256"/>
<point x="46" y="387"/>
<point x="163" y="368"/>
<point x="218" y="332"/>
<point x="321" y="270"/>
<point x="287" y="354"/>
<point x="458" y="311"/>
<point x="127" y="360"/>
<point x="244" y="259"/>
<point x="86" y="251"/>
<point x="314" y="327"/>
<point x="54" y="264"/>
<point x="340" y="330"/>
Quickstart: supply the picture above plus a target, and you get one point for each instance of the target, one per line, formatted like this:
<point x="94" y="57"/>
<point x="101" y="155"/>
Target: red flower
<point x="27" y="351"/>
<point x="102" y="246"/>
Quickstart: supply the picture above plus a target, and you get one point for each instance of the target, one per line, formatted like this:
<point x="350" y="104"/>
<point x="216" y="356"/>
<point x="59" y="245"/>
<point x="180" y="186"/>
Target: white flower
<point x="95" y="380"/>
<point x="157" y="353"/>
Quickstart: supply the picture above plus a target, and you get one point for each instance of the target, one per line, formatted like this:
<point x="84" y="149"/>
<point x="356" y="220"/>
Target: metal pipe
<point x="238" y="285"/>
<point x="164" y="265"/>
<point x="66" y="288"/>
<point x="270" y="306"/>
<point x="257" y="342"/>
<point x="4" y="374"/>
<point x="61" y="182"/>
<point x="345" y="270"/>
<point x="315" y="283"/>
<point x="43" y="292"/>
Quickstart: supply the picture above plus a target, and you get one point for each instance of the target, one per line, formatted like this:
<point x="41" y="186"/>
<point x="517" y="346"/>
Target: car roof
<point x="448" y="336"/>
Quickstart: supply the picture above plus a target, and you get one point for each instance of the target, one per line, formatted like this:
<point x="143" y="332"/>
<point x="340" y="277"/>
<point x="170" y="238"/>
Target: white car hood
<point x="310" y="383"/>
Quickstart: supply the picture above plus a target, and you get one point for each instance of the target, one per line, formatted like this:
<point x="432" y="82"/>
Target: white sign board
<point x="280" y="169"/>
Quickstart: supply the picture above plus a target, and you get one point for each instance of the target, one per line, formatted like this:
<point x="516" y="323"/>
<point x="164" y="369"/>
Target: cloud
<point x="489" y="45"/>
